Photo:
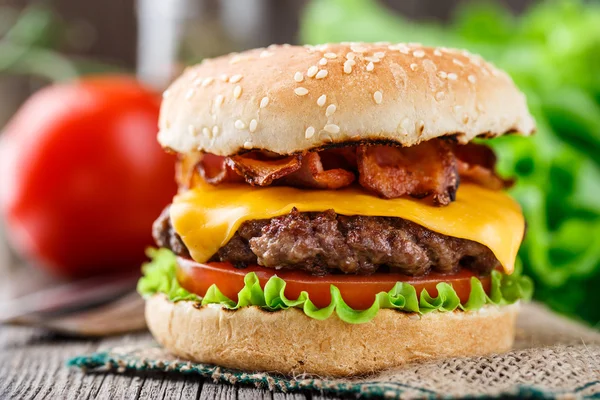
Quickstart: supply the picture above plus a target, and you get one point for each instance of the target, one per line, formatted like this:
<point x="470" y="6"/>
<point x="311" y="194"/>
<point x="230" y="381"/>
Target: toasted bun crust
<point x="289" y="342"/>
<point x="290" y="99"/>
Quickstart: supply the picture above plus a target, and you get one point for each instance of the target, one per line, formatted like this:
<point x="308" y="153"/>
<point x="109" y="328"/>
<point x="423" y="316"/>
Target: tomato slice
<point x="357" y="291"/>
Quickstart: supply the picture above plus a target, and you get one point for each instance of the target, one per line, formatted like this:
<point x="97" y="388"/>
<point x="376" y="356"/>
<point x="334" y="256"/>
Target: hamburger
<point x="337" y="213"/>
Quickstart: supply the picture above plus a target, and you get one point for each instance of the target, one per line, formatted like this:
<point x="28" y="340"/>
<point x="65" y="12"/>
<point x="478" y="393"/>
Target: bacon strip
<point x="431" y="169"/>
<point x="214" y="170"/>
<point x="418" y="171"/>
<point x="477" y="163"/>
<point x="262" y="172"/>
<point x="312" y="174"/>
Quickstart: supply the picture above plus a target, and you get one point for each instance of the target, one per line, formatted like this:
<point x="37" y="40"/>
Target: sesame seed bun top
<point x="289" y="99"/>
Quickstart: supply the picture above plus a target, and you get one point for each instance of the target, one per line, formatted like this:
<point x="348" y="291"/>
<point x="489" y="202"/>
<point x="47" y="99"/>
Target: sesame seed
<point x="458" y="62"/>
<point x="475" y="60"/>
<point x="265" y="53"/>
<point x="350" y="56"/>
<point x="413" y="66"/>
<point x="419" y="53"/>
<point x="310" y="132"/>
<point x="189" y="94"/>
<point x="452" y="76"/>
<point x="247" y="145"/>
<point x="312" y="71"/>
<point x="420" y="126"/>
<point x="224" y="77"/>
<point x="207" y="81"/>
<point x="440" y="96"/>
<point x="239" y="124"/>
<point x="382" y="43"/>
<point x="404" y="50"/>
<point x="437" y="53"/>
<point x="286" y="45"/>
<point x="300" y="91"/>
<point x="372" y="59"/>
<point x="379" y="54"/>
<point x="206" y="131"/>
<point x="331" y="128"/>
<point x="215" y="130"/>
<point x="264" y="102"/>
<point x="252" y="126"/>
<point x="370" y="66"/>
<point x="347" y="68"/>
<point x="378" y="97"/>
<point x="235" y="59"/>
<point x="330" y="110"/>
<point x="321" y="74"/>
<point x="358" y="49"/>
<point x="298" y="77"/>
<point x="323" y="61"/>
<point x="235" y="78"/>
<point x="237" y="91"/>
<point x="472" y="79"/>
<point x="442" y="74"/>
<point x="330" y="55"/>
<point x="465" y="118"/>
<point x="321" y="100"/>
<point x="485" y="71"/>
<point x="192" y="130"/>
<point x="404" y="126"/>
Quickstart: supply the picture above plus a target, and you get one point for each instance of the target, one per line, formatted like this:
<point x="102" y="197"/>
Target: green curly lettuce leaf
<point x="159" y="277"/>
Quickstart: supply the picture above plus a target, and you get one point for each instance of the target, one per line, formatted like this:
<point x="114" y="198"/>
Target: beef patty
<point x="323" y="242"/>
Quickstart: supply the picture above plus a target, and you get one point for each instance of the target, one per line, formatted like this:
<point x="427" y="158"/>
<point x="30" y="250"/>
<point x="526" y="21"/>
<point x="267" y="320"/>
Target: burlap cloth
<point x="553" y="358"/>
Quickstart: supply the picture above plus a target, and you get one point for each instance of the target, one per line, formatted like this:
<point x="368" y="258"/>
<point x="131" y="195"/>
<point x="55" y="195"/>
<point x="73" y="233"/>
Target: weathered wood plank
<point x="290" y="396"/>
<point x="151" y="389"/>
<point x="213" y="391"/>
<point x="124" y="387"/>
<point x="323" y="397"/>
<point x="189" y="388"/>
<point x="245" y="393"/>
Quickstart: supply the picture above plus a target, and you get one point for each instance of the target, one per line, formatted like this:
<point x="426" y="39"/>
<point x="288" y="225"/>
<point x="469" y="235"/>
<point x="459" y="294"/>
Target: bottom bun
<point x="289" y="342"/>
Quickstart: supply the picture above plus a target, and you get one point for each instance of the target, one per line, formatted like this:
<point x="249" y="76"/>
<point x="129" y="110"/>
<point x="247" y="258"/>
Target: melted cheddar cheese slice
<point x="206" y="217"/>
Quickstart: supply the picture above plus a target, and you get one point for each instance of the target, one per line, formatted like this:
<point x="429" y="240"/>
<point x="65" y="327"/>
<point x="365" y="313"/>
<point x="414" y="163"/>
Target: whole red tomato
<point x="82" y="176"/>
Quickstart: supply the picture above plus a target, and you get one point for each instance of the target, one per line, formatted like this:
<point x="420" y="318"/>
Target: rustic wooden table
<point x="32" y="366"/>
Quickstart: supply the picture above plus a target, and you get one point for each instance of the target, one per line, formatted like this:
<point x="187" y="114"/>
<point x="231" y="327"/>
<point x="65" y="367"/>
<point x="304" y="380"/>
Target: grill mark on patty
<point x="326" y="242"/>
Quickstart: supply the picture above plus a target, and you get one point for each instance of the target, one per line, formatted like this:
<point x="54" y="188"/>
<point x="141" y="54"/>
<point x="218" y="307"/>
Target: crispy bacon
<point x="214" y="170"/>
<point x="261" y="171"/>
<point x="431" y="169"/>
<point x="419" y="171"/>
<point x="477" y="163"/>
<point x="313" y="175"/>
